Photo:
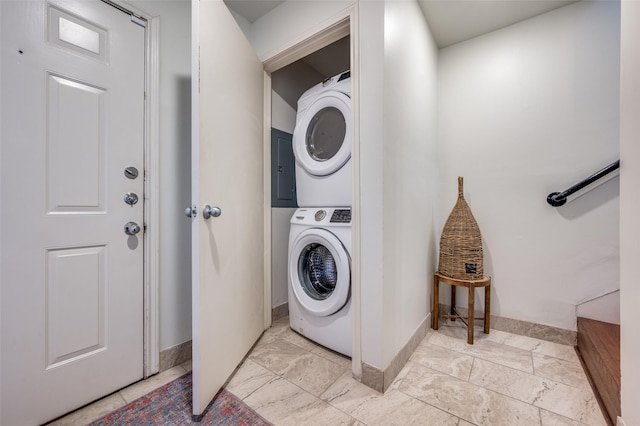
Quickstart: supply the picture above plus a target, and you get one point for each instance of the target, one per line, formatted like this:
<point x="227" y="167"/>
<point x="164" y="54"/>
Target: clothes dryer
<point x="322" y="142"/>
<point x="319" y="273"/>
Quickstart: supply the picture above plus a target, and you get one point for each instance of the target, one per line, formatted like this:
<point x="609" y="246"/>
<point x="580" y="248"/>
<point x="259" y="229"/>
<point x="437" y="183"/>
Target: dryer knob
<point x="320" y="214"/>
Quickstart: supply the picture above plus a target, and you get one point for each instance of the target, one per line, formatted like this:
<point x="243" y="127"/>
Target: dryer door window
<point x="319" y="272"/>
<point x="322" y="136"/>
<point x="325" y="134"/>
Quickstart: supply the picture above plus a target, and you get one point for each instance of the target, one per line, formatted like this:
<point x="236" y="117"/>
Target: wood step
<point x="599" y="348"/>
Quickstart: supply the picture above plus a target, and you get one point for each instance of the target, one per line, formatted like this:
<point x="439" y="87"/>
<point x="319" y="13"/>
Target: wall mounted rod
<point x="557" y="199"/>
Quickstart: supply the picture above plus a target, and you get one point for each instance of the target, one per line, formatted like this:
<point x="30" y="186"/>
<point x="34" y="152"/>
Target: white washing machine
<point x="322" y="144"/>
<point x="319" y="273"/>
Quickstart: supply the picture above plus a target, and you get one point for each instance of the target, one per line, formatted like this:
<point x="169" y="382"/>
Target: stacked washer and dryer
<point x="319" y="261"/>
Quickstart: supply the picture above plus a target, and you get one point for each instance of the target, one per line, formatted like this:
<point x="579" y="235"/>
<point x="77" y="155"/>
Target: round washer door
<point x="322" y="138"/>
<point x="320" y="272"/>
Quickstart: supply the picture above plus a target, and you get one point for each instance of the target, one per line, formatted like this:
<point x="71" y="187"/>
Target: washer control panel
<point x="322" y="216"/>
<point x="341" y="216"/>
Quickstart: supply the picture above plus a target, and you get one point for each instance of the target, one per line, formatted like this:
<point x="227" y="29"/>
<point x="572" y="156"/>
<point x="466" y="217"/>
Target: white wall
<point x="371" y="29"/>
<point x="525" y="111"/>
<point x="175" y="168"/>
<point x="283" y="117"/>
<point x="244" y="25"/>
<point x="409" y="170"/>
<point x="288" y="22"/>
<point x="280" y="224"/>
<point x="398" y="75"/>
<point x="629" y="206"/>
<point x="605" y="308"/>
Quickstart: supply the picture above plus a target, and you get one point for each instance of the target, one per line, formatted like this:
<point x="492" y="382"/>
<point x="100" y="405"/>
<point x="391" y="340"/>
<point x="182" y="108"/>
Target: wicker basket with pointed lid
<point x="461" y="243"/>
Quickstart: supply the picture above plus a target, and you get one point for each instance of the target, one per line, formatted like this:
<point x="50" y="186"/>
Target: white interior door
<point x="227" y="171"/>
<point x="72" y="104"/>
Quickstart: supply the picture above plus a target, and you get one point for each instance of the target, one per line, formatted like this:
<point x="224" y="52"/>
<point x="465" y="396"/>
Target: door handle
<point x="209" y="211"/>
<point x="191" y="211"/>
<point x="130" y="198"/>
<point x="131" y="228"/>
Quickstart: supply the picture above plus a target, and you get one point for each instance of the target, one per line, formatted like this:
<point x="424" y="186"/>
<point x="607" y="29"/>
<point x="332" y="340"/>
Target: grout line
<point x="473" y="363"/>
<point x="539" y="415"/>
<point x="259" y="387"/>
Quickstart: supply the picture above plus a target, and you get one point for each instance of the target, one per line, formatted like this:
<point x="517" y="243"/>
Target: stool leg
<point x="471" y="314"/>
<point x="436" y="301"/>
<point x="453" y="301"/>
<point x="487" y="308"/>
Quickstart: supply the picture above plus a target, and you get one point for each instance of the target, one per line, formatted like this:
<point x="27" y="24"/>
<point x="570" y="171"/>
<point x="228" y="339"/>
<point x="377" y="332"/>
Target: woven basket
<point x="461" y="243"/>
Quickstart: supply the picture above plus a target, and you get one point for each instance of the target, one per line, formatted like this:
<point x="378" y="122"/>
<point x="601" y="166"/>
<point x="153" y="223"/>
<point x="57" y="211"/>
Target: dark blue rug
<point x="171" y="405"/>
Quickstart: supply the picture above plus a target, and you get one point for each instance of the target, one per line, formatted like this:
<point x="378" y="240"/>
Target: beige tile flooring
<point x="503" y="379"/>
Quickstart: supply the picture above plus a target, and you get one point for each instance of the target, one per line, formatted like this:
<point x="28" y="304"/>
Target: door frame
<point x="151" y="287"/>
<point x="342" y="24"/>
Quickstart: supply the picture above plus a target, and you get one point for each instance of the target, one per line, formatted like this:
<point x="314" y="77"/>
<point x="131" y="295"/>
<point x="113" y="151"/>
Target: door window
<point x="317" y="271"/>
<point x="326" y="133"/>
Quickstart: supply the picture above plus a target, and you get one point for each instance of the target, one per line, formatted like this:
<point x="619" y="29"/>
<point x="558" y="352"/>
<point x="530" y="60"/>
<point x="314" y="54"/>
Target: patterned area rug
<point x="171" y="405"/>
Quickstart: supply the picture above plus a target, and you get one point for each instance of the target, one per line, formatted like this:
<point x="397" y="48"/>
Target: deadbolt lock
<point x="131" y="172"/>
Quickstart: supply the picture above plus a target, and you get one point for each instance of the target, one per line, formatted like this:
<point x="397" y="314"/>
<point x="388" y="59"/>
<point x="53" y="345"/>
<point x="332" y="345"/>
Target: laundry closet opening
<point x="288" y="85"/>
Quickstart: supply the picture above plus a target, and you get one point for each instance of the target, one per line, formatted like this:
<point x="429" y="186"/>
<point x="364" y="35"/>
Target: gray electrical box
<point x="283" y="173"/>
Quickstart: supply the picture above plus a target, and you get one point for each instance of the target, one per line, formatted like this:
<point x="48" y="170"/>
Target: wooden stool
<point x="471" y="285"/>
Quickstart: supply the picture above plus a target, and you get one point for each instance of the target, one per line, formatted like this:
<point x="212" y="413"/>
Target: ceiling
<point x="453" y="21"/>
<point x="450" y="21"/>
<point x="251" y="10"/>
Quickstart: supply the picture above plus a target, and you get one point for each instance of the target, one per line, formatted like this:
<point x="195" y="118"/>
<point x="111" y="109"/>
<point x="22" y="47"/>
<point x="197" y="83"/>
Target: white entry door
<point x="72" y="81"/>
<point x="227" y="172"/>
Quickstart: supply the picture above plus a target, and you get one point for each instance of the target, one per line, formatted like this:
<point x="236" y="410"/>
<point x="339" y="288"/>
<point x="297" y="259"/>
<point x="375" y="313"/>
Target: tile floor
<point x="503" y="379"/>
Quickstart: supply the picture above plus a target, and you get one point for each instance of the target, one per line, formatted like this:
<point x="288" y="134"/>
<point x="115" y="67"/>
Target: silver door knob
<point x="191" y="211"/>
<point x="131" y="228"/>
<point x="209" y="211"/>
<point x="131" y="198"/>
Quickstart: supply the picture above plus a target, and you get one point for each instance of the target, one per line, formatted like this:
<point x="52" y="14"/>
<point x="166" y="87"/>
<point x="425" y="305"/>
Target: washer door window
<point x="320" y="271"/>
<point x="322" y="138"/>
<point x="317" y="271"/>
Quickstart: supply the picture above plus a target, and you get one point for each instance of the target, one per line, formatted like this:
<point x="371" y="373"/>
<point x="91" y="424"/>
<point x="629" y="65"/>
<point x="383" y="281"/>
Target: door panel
<point x="72" y="281"/>
<point x="76" y="121"/>
<point x="227" y="167"/>
<point x="75" y="274"/>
